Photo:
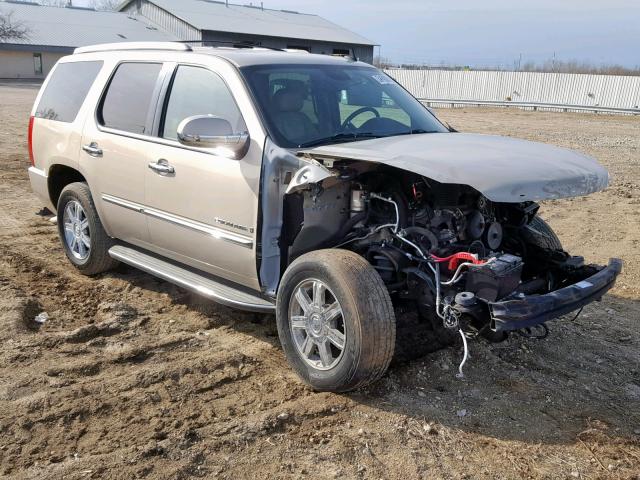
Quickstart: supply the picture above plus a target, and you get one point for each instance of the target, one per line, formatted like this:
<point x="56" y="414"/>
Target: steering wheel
<point x="353" y="115"/>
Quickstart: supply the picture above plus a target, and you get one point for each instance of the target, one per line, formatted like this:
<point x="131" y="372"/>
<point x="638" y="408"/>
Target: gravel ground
<point x="131" y="377"/>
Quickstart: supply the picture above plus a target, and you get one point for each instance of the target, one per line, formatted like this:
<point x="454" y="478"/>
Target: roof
<point x="253" y="20"/>
<point x="75" y="27"/>
<point x="241" y="57"/>
<point x="244" y="57"/>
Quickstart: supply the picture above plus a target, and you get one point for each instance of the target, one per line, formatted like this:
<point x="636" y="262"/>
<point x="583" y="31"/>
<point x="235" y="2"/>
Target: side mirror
<point x="209" y="131"/>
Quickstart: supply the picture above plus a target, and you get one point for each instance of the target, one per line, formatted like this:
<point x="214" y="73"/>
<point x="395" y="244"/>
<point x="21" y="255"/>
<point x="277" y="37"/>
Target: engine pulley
<point x="475" y="225"/>
<point x="493" y="235"/>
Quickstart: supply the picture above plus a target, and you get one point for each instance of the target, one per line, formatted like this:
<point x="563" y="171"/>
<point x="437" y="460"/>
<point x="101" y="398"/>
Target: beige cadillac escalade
<point x="308" y="186"/>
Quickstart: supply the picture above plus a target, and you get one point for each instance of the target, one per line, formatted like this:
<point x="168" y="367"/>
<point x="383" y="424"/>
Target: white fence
<point x="555" y="90"/>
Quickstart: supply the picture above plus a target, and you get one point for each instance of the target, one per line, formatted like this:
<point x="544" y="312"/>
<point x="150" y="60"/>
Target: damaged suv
<point x="310" y="186"/>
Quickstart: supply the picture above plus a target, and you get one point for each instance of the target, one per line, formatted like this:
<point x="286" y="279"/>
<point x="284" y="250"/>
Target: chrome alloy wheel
<point x="317" y="324"/>
<point x="76" y="230"/>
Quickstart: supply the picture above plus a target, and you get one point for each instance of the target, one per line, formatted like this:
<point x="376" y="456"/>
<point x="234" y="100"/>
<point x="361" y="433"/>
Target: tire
<point x="366" y="320"/>
<point x="90" y="253"/>
<point x="539" y="233"/>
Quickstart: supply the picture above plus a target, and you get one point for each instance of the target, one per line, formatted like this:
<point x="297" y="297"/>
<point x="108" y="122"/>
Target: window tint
<point x="66" y="90"/>
<point x="198" y="91"/>
<point x="126" y="104"/>
<point x="386" y="108"/>
<point x="305" y="105"/>
<point x="299" y="82"/>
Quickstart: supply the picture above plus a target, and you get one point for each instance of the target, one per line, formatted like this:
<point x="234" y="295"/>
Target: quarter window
<point x="198" y="91"/>
<point x="66" y="90"/>
<point x="126" y="104"/>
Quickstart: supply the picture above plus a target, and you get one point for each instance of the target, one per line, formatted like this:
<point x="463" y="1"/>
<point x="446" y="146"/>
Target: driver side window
<point x="198" y="91"/>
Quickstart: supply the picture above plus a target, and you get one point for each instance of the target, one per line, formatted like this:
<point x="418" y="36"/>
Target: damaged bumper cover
<point x="535" y="309"/>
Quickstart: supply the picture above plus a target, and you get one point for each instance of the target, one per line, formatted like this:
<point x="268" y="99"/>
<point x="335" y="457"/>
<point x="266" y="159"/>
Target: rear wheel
<point x="335" y="320"/>
<point x="84" y="240"/>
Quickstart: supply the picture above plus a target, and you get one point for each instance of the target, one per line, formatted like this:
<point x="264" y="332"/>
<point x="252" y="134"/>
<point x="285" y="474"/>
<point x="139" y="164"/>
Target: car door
<point x="202" y="204"/>
<point x="115" y="152"/>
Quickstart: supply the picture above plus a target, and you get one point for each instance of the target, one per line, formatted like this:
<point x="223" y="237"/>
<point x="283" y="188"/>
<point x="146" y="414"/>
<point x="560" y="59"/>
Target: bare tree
<point x="382" y="62"/>
<point x="11" y="29"/>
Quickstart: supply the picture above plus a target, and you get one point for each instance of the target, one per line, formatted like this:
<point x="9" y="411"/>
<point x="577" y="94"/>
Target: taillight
<point x="30" y="141"/>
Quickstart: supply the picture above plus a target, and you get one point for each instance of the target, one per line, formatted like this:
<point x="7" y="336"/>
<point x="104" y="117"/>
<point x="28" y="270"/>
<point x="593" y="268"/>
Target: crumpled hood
<point x="503" y="169"/>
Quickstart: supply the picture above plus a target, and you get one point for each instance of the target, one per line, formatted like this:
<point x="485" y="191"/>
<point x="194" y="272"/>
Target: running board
<point x="198" y="283"/>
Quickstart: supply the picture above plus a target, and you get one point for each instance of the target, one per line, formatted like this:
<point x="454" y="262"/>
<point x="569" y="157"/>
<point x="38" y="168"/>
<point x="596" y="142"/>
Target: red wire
<point x="458" y="258"/>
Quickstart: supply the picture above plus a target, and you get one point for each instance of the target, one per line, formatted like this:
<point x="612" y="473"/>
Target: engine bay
<point x="443" y="250"/>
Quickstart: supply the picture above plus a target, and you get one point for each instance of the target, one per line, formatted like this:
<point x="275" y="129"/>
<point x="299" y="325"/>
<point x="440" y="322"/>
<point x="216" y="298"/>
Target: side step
<point x="198" y="283"/>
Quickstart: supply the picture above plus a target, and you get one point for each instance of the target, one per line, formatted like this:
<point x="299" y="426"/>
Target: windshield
<point x="309" y="105"/>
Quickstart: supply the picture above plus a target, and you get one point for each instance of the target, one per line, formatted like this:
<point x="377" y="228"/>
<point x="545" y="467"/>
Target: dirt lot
<point x="133" y="378"/>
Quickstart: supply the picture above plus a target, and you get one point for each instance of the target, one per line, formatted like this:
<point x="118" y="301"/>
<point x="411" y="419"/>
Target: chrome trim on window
<point x="218" y="233"/>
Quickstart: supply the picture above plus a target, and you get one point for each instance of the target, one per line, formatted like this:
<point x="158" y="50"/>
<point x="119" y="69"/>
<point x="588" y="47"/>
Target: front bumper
<point x="535" y="309"/>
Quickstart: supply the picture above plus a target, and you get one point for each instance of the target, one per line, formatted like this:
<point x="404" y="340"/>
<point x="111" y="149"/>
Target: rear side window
<point x="66" y="90"/>
<point x="126" y="104"/>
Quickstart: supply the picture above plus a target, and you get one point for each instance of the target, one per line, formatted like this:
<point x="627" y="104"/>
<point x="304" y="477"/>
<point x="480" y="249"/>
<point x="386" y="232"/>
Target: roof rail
<point x="105" y="47"/>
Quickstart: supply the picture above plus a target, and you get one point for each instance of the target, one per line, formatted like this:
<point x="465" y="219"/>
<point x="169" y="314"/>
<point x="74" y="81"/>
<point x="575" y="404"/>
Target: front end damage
<point x="466" y="263"/>
<point x="530" y="310"/>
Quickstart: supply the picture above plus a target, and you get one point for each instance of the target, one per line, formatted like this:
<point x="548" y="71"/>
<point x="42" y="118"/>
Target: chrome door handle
<point x="93" y="149"/>
<point x="162" y="167"/>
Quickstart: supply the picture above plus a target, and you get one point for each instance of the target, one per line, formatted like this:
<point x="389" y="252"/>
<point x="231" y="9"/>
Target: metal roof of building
<point x="254" y="20"/>
<point x="75" y="27"/>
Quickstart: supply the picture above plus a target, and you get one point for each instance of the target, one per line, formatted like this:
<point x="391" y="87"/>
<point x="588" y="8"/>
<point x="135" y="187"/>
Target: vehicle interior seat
<point x="292" y="123"/>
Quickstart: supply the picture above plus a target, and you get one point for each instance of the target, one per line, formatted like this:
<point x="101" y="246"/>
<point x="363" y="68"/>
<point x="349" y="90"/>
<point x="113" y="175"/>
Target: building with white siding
<point x="56" y="31"/>
<point x="223" y="23"/>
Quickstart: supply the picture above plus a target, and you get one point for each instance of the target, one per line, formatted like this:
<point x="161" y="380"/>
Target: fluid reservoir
<point x="357" y="202"/>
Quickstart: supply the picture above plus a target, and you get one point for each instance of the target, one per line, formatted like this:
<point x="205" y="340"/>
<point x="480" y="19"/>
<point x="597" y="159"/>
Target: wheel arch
<point x="59" y="176"/>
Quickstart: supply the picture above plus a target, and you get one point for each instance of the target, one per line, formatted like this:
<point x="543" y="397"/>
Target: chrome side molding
<point x="235" y="238"/>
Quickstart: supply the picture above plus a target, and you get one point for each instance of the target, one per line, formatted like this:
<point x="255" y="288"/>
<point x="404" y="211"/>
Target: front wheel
<point x="335" y="320"/>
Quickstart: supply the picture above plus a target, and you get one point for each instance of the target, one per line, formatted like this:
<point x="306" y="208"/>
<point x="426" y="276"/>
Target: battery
<point x="496" y="279"/>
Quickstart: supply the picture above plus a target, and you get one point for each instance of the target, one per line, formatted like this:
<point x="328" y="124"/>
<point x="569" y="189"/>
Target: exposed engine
<point x="444" y="249"/>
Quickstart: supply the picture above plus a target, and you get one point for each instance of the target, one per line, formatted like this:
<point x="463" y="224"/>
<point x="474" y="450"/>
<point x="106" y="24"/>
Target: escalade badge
<point x="227" y="223"/>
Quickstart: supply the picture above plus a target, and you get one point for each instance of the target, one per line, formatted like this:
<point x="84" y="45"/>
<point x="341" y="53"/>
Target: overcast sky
<point x="488" y="32"/>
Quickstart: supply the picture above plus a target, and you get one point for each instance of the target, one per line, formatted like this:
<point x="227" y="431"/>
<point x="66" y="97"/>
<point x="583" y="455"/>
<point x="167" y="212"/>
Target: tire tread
<point x="375" y="311"/>
<point x="100" y="261"/>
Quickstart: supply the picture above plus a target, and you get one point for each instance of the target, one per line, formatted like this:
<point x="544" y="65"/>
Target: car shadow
<point x="585" y="373"/>
<point x="536" y="391"/>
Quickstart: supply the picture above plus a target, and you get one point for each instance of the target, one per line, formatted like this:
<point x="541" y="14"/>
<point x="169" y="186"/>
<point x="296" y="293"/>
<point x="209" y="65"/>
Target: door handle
<point x="162" y="167"/>
<point x="93" y="149"/>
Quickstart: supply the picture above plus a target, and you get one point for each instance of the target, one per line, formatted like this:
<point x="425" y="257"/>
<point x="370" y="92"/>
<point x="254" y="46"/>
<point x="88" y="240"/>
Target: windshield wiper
<point x="415" y="131"/>
<point x="339" y="138"/>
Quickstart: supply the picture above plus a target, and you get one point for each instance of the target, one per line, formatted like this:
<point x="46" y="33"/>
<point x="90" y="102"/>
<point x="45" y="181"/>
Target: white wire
<point x="457" y="275"/>
<point x="466" y="354"/>
<point x="377" y="229"/>
<point x="408" y="242"/>
<point x="395" y="205"/>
